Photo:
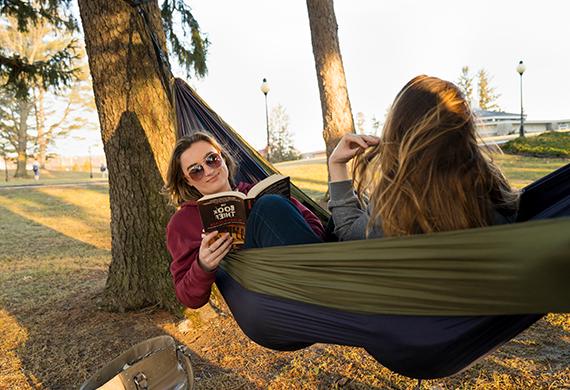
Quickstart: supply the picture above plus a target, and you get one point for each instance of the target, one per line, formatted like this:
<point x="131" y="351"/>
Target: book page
<point x="221" y="195"/>
<point x="274" y="184"/>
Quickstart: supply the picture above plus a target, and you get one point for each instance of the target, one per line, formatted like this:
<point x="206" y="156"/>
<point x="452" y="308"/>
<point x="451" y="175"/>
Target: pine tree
<point x="360" y="122"/>
<point x="14" y="128"/>
<point x="37" y="45"/>
<point x="376" y="125"/>
<point x="281" y="139"/>
<point x="487" y="96"/>
<point x="5" y="151"/>
<point x="22" y="72"/>
<point x="465" y="84"/>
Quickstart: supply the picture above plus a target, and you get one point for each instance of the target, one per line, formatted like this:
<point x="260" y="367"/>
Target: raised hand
<point x="347" y="148"/>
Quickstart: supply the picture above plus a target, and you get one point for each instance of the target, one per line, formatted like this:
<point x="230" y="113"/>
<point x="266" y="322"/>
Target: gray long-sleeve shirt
<point x="351" y="218"/>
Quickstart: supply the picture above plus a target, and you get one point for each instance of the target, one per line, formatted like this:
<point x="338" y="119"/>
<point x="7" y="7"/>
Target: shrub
<point x="549" y="144"/>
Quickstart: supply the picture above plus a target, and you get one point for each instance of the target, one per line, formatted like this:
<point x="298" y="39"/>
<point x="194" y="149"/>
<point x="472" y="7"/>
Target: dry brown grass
<point x="55" y="250"/>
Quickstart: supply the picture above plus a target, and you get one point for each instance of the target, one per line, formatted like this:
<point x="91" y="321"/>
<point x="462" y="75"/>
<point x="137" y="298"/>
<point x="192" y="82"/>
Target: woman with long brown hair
<point x="425" y="174"/>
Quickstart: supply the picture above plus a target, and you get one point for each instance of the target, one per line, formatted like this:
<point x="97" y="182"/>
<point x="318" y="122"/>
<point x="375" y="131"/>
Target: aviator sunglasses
<point x="212" y="160"/>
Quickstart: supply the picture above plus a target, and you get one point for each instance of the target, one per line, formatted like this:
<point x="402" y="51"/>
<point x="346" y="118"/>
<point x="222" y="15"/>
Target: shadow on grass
<point x="78" y="213"/>
<point x="50" y="288"/>
<point x="25" y="239"/>
<point x="70" y="338"/>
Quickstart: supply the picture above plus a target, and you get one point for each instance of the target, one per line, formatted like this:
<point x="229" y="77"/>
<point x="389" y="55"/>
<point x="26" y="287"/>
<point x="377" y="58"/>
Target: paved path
<point x="40" y="185"/>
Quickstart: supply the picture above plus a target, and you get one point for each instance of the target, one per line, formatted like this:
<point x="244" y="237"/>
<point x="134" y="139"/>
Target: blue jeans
<point x="275" y="221"/>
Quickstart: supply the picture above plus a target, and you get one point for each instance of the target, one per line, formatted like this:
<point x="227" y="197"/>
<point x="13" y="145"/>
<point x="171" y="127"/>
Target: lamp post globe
<point x="521" y="67"/>
<point x="265" y="89"/>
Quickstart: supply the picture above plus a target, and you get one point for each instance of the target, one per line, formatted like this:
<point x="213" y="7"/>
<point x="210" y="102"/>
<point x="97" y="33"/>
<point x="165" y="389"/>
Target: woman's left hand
<point x="347" y="148"/>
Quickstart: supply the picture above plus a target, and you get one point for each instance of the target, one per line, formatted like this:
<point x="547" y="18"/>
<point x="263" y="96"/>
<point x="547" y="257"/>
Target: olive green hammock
<point x="508" y="269"/>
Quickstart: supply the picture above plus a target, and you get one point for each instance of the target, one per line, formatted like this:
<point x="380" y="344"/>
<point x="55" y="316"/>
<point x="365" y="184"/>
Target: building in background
<point x="498" y="123"/>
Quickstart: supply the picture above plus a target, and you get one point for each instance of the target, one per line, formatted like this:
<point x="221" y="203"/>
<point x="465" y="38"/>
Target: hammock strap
<point x="164" y="69"/>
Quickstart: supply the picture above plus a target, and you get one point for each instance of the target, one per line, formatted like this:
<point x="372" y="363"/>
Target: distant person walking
<point x="36" y="169"/>
<point x="103" y="169"/>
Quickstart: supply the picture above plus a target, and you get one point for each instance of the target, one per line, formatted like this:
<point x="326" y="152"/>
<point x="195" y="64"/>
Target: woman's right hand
<point x="210" y="255"/>
<point x="347" y="148"/>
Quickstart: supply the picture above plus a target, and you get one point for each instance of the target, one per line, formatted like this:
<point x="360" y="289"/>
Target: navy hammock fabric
<point x="412" y="345"/>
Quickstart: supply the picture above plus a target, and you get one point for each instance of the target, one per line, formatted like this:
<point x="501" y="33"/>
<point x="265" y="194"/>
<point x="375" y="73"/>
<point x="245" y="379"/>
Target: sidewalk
<point x="48" y="184"/>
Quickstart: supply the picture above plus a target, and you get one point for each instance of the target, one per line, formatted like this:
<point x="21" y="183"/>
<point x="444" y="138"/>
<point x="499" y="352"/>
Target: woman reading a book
<point x="200" y="166"/>
<point x="426" y="174"/>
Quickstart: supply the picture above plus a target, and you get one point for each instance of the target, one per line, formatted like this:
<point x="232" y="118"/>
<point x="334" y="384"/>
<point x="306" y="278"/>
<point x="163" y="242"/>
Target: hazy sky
<point x="383" y="44"/>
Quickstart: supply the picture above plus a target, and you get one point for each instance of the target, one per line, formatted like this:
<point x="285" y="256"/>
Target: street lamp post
<point x="265" y="89"/>
<point x="520" y="69"/>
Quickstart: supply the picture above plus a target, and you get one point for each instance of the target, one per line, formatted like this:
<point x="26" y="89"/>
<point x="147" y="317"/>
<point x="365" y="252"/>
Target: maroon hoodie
<point x="183" y="238"/>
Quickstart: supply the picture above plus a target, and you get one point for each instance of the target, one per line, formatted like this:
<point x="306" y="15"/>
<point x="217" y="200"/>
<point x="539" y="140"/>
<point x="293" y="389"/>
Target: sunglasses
<point x="212" y="160"/>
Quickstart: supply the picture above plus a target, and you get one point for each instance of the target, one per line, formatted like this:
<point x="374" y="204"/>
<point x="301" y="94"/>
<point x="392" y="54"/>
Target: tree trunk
<point x="24" y="108"/>
<point x="40" y="125"/>
<point x="6" y="167"/>
<point x="335" y="105"/>
<point x="137" y="129"/>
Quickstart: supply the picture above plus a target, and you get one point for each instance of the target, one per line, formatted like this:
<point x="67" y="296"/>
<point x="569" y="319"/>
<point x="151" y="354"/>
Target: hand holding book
<point x="213" y="250"/>
<point x="228" y="211"/>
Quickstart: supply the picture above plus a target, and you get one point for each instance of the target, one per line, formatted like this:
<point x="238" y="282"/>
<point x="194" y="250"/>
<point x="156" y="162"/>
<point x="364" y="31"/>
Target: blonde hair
<point x="428" y="173"/>
<point x="176" y="187"/>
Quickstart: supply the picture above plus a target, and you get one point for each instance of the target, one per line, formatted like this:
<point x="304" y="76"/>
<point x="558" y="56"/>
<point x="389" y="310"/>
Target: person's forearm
<point x="338" y="171"/>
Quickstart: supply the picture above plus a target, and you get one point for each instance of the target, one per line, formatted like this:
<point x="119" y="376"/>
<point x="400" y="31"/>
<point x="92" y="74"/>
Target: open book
<point x="228" y="211"/>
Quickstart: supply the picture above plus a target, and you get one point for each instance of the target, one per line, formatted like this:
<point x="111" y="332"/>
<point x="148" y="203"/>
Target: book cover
<point x="228" y="211"/>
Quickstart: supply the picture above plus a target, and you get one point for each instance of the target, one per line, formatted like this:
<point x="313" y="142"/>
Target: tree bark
<point x="40" y="125"/>
<point x="335" y="105"/>
<point x="24" y="108"/>
<point x="5" y="168"/>
<point x="137" y="129"/>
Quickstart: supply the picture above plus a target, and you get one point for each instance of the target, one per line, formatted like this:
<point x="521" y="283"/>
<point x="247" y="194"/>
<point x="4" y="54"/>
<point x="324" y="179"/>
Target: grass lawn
<point x="311" y="175"/>
<point x="55" y="247"/>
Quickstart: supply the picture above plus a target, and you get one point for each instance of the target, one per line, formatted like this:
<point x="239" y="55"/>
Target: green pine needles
<point x="18" y="73"/>
<point x="192" y="55"/>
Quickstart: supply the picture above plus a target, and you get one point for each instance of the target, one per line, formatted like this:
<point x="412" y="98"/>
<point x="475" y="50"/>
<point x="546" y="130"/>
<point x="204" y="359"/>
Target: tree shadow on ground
<point x="28" y="212"/>
<point x="50" y="301"/>
<point x="50" y="296"/>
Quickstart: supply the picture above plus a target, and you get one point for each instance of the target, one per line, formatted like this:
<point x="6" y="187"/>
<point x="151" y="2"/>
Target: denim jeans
<point x="275" y="221"/>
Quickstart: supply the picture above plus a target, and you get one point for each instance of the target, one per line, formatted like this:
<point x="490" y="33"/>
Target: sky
<point x="383" y="44"/>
